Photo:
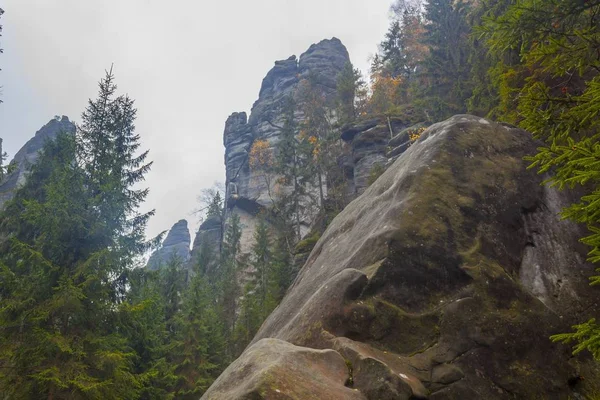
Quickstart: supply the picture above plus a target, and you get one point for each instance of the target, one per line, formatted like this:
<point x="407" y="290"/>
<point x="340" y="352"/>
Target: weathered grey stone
<point x="429" y="275"/>
<point x="248" y="192"/>
<point x="403" y="136"/>
<point x="446" y="374"/>
<point x="276" y="370"/>
<point x="401" y="141"/>
<point x="176" y="244"/>
<point x="28" y="155"/>
<point x="370" y="142"/>
<point x="326" y="59"/>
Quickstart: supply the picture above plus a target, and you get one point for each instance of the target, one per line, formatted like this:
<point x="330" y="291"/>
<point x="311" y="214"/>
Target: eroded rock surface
<point x="370" y="141"/>
<point x="176" y="244"/>
<point x="443" y="280"/>
<point x="274" y="369"/>
<point x="246" y="191"/>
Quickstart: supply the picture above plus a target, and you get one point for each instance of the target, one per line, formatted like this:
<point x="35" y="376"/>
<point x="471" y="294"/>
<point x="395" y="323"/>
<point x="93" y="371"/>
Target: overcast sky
<point x="187" y="63"/>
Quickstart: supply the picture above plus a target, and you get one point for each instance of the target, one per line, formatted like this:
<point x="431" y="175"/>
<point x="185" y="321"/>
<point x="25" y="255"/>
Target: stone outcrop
<point x="401" y="141"/>
<point x="207" y="245"/>
<point x="28" y="155"/>
<point x="274" y="369"/>
<point x="176" y="244"/>
<point x="369" y="140"/>
<point x="246" y="191"/>
<point x="443" y="280"/>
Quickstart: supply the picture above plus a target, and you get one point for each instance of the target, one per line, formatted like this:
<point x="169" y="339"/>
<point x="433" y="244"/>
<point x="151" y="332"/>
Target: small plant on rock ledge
<point x="376" y="172"/>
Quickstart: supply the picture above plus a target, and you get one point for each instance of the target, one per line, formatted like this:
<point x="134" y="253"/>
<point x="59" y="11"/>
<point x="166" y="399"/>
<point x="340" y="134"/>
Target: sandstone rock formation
<point x="292" y="373"/>
<point x="207" y="245"/>
<point x="370" y="141"/>
<point x="28" y="155"/>
<point x="246" y="192"/>
<point x="443" y="280"/>
<point x="176" y="244"/>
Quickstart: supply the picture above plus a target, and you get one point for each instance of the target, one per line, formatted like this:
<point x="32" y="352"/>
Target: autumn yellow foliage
<point x="261" y="156"/>
<point x="415" y="134"/>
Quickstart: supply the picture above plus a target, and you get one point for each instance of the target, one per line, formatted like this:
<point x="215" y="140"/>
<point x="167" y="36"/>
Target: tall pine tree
<point x="68" y="239"/>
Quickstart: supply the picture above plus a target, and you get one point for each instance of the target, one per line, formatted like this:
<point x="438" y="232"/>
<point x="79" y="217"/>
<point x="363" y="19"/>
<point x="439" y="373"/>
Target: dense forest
<point x="80" y="318"/>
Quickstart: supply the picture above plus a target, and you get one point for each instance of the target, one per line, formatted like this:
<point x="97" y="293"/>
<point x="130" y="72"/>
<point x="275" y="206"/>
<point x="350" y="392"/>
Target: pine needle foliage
<point x="554" y="92"/>
<point x="69" y="237"/>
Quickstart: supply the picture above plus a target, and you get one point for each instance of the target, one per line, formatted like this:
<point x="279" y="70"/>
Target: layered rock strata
<point x="246" y="190"/>
<point x="370" y="141"/>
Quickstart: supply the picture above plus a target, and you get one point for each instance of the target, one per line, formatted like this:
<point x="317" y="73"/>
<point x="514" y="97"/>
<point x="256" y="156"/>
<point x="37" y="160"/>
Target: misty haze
<point x="299" y="200"/>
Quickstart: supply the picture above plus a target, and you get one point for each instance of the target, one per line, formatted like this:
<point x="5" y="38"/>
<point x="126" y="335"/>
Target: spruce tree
<point x="60" y="317"/>
<point x="290" y="165"/>
<point x="143" y="322"/>
<point x="68" y="239"/>
<point x="262" y="261"/>
<point x="200" y="346"/>
<point x="228" y="281"/>
<point x="393" y="56"/>
<point x="349" y="82"/>
<point x="109" y="155"/>
<point x="554" y="92"/>
<point x="172" y="281"/>
<point x="444" y="80"/>
<point x="215" y="208"/>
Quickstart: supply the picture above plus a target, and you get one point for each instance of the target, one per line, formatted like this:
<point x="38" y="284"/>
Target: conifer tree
<point x="143" y="323"/>
<point x="290" y="165"/>
<point x="393" y="56"/>
<point x="554" y="92"/>
<point x="249" y="318"/>
<point x="109" y="155"/>
<point x="444" y="80"/>
<point x="199" y="350"/>
<point x="172" y="281"/>
<point x="215" y="208"/>
<point x="66" y="250"/>
<point x="349" y="83"/>
<point x="228" y="280"/>
<point x="315" y="136"/>
<point x="59" y="335"/>
<point x="262" y="261"/>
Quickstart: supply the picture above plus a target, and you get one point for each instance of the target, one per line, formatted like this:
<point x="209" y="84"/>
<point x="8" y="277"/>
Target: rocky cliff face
<point x="443" y="280"/>
<point x="374" y="143"/>
<point x="246" y="192"/>
<point x="176" y="244"/>
<point x="207" y="245"/>
<point x="28" y="155"/>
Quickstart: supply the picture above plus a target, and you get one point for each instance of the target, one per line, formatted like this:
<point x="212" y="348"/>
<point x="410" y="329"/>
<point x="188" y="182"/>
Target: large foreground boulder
<point x="273" y="369"/>
<point x="443" y="280"/>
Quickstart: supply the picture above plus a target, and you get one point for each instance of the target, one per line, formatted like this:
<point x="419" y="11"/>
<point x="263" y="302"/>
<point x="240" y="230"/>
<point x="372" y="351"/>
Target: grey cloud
<point x="188" y="64"/>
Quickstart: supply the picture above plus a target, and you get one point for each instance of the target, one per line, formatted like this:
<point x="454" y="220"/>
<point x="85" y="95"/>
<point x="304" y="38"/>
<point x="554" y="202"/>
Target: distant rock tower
<point x="28" y="155"/>
<point x="245" y="192"/>
<point x="177" y="244"/>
